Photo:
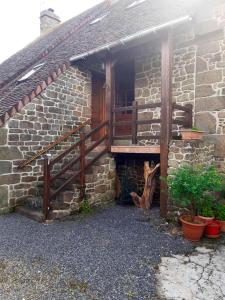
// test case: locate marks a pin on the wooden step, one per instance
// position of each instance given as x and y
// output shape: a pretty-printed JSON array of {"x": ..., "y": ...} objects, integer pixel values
[
  {"x": 34, "y": 214},
  {"x": 136, "y": 149}
]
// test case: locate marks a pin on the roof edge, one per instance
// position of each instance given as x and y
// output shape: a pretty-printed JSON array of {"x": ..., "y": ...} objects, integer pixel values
[
  {"x": 33, "y": 94},
  {"x": 129, "y": 38}
]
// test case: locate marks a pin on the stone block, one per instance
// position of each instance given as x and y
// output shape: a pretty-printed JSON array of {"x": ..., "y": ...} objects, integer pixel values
[
  {"x": 3, "y": 136},
  {"x": 4, "y": 194},
  {"x": 204, "y": 91},
  {"x": 201, "y": 65},
  {"x": 10, "y": 153},
  {"x": 190, "y": 68},
  {"x": 9, "y": 179},
  {"x": 208, "y": 77},
  {"x": 212, "y": 47},
  {"x": 100, "y": 189},
  {"x": 206, "y": 122},
  {"x": 210, "y": 103},
  {"x": 5, "y": 167},
  {"x": 219, "y": 141}
]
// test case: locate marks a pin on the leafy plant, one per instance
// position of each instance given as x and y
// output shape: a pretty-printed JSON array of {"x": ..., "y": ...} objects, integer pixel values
[
  {"x": 206, "y": 207},
  {"x": 220, "y": 212},
  {"x": 85, "y": 207},
  {"x": 189, "y": 184},
  {"x": 194, "y": 128}
]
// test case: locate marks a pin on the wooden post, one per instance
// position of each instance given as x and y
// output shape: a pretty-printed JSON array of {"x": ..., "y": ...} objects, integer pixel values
[
  {"x": 82, "y": 166},
  {"x": 46, "y": 188},
  {"x": 166, "y": 117},
  {"x": 189, "y": 117},
  {"x": 110, "y": 92},
  {"x": 134, "y": 122}
]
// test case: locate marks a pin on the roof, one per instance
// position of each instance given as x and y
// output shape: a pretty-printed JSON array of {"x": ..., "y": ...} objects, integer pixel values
[{"x": 75, "y": 37}]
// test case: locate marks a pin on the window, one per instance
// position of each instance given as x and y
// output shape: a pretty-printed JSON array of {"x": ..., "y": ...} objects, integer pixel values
[
  {"x": 98, "y": 19},
  {"x": 30, "y": 73},
  {"x": 135, "y": 3}
]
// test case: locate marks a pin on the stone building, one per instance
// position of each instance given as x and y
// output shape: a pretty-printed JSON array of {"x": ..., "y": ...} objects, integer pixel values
[{"x": 135, "y": 64}]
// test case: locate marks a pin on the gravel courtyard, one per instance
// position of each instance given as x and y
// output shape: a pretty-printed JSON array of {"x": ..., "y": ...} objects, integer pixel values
[{"x": 112, "y": 254}]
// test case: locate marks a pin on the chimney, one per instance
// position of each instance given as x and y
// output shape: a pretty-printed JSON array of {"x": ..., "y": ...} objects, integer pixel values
[{"x": 48, "y": 20}]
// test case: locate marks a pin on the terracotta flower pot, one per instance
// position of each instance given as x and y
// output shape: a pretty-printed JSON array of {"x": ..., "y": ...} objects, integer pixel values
[
  {"x": 191, "y": 135},
  {"x": 207, "y": 220},
  {"x": 222, "y": 224},
  {"x": 212, "y": 230},
  {"x": 192, "y": 231}
]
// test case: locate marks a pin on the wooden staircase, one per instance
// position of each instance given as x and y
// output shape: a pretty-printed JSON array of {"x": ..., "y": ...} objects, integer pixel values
[{"x": 66, "y": 174}]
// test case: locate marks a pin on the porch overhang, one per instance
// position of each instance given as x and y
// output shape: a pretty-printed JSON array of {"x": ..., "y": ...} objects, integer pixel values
[{"x": 133, "y": 37}]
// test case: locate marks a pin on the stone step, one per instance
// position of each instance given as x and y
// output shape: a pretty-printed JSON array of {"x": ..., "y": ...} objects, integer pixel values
[{"x": 34, "y": 214}]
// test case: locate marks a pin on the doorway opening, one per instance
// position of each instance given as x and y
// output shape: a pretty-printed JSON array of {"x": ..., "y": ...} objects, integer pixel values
[
  {"x": 98, "y": 105},
  {"x": 124, "y": 94},
  {"x": 130, "y": 177}
]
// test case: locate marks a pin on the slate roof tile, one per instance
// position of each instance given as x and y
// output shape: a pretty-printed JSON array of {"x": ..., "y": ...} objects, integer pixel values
[{"x": 77, "y": 36}]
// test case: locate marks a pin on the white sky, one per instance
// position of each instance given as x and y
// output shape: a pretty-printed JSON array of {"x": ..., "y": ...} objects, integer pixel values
[{"x": 19, "y": 20}]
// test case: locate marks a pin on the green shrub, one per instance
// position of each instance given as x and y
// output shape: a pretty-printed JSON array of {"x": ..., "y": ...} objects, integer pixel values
[
  {"x": 189, "y": 185},
  {"x": 220, "y": 212}
]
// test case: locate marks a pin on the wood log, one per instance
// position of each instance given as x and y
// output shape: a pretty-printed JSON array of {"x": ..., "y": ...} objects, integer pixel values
[{"x": 145, "y": 200}]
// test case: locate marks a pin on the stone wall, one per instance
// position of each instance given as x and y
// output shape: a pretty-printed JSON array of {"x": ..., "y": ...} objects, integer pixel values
[
  {"x": 188, "y": 153},
  {"x": 148, "y": 90},
  {"x": 198, "y": 76},
  {"x": 66, "y": 103}
]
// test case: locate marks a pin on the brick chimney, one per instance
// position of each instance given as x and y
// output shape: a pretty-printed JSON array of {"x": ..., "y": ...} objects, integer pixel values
[{"x": 48, "y": 20}]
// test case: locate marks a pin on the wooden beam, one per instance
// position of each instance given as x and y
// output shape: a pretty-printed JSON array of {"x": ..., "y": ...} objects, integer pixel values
[
  {"x": 136, "y": 149},
  {"x": 166, "y": 116},
  {"x": 110, "y": 94}
]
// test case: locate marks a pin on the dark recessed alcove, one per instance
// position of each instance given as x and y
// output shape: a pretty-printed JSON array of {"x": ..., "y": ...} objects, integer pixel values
[{"x": 130, "y": 176}]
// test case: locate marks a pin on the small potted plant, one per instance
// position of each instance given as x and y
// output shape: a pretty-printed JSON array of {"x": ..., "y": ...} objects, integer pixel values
[
  {"x": 192, "y": 134},
  {"x": 206, "y": 209},
  {"x": 186, "y": 191},
  {"x": 220, "y": 215},
  {"x": 187, "y": 186}
]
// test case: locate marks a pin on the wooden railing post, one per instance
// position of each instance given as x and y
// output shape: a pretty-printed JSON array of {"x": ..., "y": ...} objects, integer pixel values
[
  {"x": 166, "y": 117},
  {"x": 189, "y": 116},
  {"x": 110, "y": 93},
  {"x": 82, "y": 166},
  {"x": 46, "y": 187},
  {"x": 134, "y": 122}
]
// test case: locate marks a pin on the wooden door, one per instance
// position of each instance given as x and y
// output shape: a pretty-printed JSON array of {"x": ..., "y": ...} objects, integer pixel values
[{"x": 98, "y": 104}]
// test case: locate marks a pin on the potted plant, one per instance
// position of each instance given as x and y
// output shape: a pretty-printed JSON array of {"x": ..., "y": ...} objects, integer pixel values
[
  {"x": 192, "y": 134},
  {"x": 220, "y": 215},
  {"x": 206, "y": 209},
  {"x": 212, "y": 230},
  {"x": 187, "y": 186}
]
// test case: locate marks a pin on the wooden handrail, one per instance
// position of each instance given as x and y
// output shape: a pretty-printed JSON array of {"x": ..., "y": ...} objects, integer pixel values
[
  {"x": 53, "y": 144},
  {"x": 182, "y": 107},
  {"x": 80, "y": 174},
  {"x": 96, "y": 129},
  {"x": 140, "y": 106}
]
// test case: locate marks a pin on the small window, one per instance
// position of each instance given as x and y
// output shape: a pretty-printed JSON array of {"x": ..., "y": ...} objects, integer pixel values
[
  {"x": 98, "y": 19},
  {"x": 31, "y": 72},
  {"x": 135, "y": 3}
]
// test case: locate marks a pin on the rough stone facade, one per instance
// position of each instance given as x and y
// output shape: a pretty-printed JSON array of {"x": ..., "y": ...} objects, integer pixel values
[
  {"x": 64, "y": 104},
  {"x": 198, "y": 77},
  {"x": 188, "y": 153}
]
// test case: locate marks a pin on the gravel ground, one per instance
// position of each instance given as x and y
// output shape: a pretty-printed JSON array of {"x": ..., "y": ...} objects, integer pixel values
[{"x": 112, "y": 254}]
